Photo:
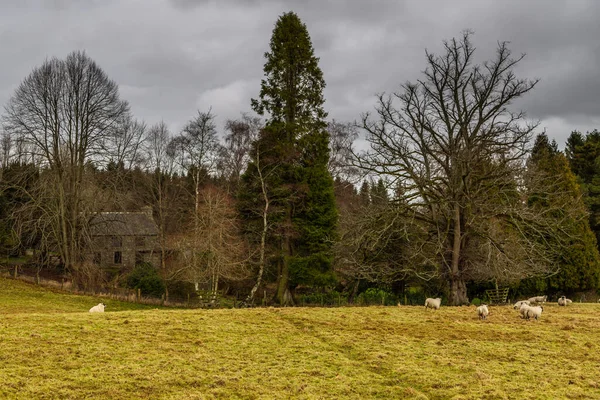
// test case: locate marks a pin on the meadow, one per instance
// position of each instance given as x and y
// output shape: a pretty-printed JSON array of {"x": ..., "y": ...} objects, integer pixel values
[{"x": 52, "y": 348}]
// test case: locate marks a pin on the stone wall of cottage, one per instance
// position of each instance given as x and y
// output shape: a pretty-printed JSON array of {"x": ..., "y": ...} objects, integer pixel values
[{"x": 124, "y": 251}]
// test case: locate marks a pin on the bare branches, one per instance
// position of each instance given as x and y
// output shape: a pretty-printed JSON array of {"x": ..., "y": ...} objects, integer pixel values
[
  {"x": 61, "y": 114},
  {"x": 197, "y": 144},
  {"x": 234, "y": 156},
  {"x": 457, "y": 150},
  {"x": 341, "y": 139}
]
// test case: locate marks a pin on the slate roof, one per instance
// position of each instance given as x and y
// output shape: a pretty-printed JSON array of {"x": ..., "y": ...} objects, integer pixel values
[{"x": 123, "y": 224}]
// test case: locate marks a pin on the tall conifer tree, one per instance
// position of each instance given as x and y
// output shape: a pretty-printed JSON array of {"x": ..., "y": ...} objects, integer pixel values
[{"x": 294, "y": 148}]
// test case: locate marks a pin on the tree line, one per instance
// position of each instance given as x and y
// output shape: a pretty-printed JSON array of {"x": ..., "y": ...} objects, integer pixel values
[{"x": 453, "y": 192}]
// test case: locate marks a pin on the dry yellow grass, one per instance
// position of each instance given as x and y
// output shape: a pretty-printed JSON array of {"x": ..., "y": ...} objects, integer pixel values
[{"x": 306, "y": 353}]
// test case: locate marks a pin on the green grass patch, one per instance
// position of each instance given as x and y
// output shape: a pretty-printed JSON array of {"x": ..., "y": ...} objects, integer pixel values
[
  {"x": 18, "y": 297},
  {"x": 305, "y": 353}
]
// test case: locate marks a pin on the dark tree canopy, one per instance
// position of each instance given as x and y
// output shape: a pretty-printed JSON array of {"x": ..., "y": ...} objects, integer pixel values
[{"x": 578, "y": 261}]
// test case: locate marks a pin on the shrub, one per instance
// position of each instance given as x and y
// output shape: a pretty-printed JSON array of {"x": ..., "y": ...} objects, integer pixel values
[
  {"x": 329, "y": 298},
  {"x": 145, "y": 277},
  {"x": 376, "y": 296}
]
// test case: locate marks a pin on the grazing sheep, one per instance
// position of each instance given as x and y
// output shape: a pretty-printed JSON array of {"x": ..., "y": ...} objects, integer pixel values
[
  {"x": 433, "y": 303},
  {"x": 519, "y": 303},
  {"x": 538, "y": 299},
  {"x": 98, "y": 308},
  {"x": 482, "y": 311},
  {"x": 523, "y": 310},
  {"x": 569, "y": 301},
  {"x": 534, "y": 312}
]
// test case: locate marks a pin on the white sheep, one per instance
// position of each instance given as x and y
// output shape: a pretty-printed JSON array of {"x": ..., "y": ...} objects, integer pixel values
[
  {"x": 534, "y": 312},
  {"x": 482, "y": 311},
  {"x": 98, "y": 308},
  {"x": 523, "y": 310},
  {"x": 562, "y": 301},
  {"x": 538, "y": 299},
  {"x": 433, "y": 303},
  {"x": 519, "y": 303}
]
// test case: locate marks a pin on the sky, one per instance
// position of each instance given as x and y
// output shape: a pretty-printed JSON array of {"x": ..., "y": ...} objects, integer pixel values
[{"x": 172, "y": 58}]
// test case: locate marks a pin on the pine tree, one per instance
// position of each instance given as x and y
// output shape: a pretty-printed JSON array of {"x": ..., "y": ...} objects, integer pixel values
[
  {"x": 295, "y": 152},
  {"x": 579, "y": 262}
]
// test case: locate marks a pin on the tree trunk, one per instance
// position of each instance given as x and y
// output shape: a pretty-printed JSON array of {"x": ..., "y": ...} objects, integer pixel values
[
  {"x": 458, "y": 287},
  {"x": 282, "y": 284},
  {"x": 354, "y": 291},
  {"x": 263, "y": 235},
  {"x": 458, "y": 292},
  {"x": 283, "y": 293},
  {"x": 288, "y": 300}
]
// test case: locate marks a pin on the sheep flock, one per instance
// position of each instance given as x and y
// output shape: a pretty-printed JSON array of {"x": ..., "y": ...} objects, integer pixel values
[{"x": 530, "y": 309}]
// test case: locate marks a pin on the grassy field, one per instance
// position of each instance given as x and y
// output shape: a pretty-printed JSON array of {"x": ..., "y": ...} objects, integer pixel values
[{"x": 50, "y": 347}]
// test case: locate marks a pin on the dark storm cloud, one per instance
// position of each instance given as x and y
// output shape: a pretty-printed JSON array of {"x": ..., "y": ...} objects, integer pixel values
[{"x": 172, "y": 57}]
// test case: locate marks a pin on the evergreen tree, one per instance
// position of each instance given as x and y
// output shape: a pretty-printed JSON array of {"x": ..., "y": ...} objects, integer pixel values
[
  {"x": 364, "y": 194},
  {"x": 379, "y": 194},
  {"x": 294, "y": 154},
  {"x": 579, "y": 262},
  {"x": 583, "y": 153}
]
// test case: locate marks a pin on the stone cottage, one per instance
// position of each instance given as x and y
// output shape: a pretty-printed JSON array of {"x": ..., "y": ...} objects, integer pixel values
[{"x": 120, "y": 240}]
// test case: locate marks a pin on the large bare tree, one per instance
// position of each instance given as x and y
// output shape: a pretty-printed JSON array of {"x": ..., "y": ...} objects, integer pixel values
[
  {"x": 62, "y": 113},
  {"x": 195, "y": 151},
  {"x": 455, "y": 153}
]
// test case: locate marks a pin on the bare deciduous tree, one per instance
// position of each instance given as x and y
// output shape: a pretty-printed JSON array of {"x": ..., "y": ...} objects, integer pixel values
[
  {"x": 196, "y": 149},
  {"x": 234, "y": 156},
  {"x": 452, "y": 145},
  {"x": 341, "y": 139},
  {"x": 214, "y": 249},
  {"x": 62, "y": 112}
]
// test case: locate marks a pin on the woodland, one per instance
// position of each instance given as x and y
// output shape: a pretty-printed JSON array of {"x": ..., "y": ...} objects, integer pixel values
[{"x": 454, "y": 192}]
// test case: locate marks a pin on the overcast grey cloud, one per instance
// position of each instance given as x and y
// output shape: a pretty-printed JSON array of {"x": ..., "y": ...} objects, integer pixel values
[{"x": 171, "y": 58}]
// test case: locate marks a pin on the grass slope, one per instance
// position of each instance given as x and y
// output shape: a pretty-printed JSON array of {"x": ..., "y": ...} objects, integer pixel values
[
  {"x": 377, "y": 352},
  {"x": 18, "y": 297}
]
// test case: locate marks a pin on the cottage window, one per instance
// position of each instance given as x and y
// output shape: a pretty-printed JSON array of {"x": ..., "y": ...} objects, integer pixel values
[
  {"x": 116, "y": 241},
  {"x": 140, "y": 241},
  {"x": 118, "y": 259}
]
